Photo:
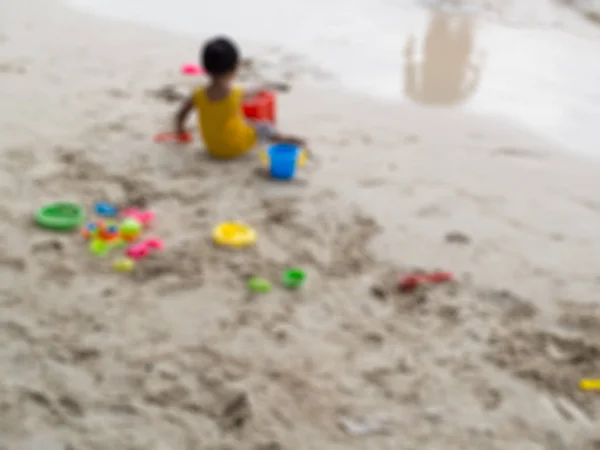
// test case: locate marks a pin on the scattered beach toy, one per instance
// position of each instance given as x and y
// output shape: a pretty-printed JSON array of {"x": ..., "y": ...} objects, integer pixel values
[
  {"x": 61, "y": 216},
  {"x": 89, "y": 231},
  {"x": 130, "y": 229},
  {"x": 192, "y": 69},
  {"x": 259, "y": 285},
  {"x": 261, "y": 108},
  {"x": 283, "y": 159},
  {"x": 234, "y": 234},
  {"x": 124, "y": 265},
  {"x": 293, "y": 278},
  {"x": 410, "y": 282},
  {"x": 118, "y": 242},
  {"x": 144, "y": 217},
  {"x": 129, "y": 237},
  {"x": 183, "y": 138},
  {"x": 131, "y": 225},
  {"x": 109, "y": 232},
  {"x": 137, "y": 251},
  {"x": 98, "y": 247},
  {"x": 105, "y": 209},
  {"x": 154, "y": 244}
]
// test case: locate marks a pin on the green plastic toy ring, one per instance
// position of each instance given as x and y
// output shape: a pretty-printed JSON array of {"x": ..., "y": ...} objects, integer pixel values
[{"x": 60, "y": 216}]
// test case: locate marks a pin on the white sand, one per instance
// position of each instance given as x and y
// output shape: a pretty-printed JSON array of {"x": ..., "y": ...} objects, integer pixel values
[{"x": 178, "y": 356}]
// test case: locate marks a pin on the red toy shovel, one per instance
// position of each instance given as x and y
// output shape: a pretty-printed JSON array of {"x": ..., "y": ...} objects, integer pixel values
[
  {"x": 410, "y": 282},
  {"x": 173, "y": 137}
]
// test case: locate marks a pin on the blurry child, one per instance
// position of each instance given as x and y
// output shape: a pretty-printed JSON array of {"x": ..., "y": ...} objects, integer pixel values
[{"x": 218, "y": 105}]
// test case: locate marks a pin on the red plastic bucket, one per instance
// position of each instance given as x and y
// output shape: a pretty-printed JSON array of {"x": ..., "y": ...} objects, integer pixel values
[{"x": 261, "y": 108}]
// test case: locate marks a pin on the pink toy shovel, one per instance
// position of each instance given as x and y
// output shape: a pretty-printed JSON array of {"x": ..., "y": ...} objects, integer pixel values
[{"x": 192, "y": 70}]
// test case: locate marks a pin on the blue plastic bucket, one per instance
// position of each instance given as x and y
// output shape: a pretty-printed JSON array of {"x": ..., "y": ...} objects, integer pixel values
[{"x": 283, "y": 160}]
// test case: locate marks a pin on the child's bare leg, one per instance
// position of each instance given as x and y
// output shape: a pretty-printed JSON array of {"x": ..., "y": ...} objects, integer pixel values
[{"x": 266, "y": 132}]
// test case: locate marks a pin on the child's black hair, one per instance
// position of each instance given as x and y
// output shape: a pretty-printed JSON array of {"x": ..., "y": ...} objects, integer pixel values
[{"x": 220, "y": 56}]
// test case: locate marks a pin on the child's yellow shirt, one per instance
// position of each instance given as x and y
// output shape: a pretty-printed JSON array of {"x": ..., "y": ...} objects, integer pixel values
[{"x": 224, "y": 129}]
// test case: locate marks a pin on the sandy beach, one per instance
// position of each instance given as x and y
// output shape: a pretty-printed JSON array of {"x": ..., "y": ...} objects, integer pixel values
[{"x": 178, "y": 354}]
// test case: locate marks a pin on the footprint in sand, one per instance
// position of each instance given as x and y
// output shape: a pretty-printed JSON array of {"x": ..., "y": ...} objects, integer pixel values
[
  {"x": 167, "y": 93},
  {"x": 39, "y": 398},
  {"x": 457, "y": 237},
  {"x": 19, "y": 159},
  {"x": 60, "y": 273},
  {"x": 14, "y": 263},
  {"x": 489, "y": 397},
  {"x": 47, "y": 246},
  {"x": 580, "y": 317},
  {"x": 511, "y": 306},
  {"x": 12, "y": 68},
  {"x": 236, "y": 412},
  {"x": 71, "y": 406},
  {"x": 371, "y": 182},
  {"x": 373, "y": 338},
  {"x": 430, "y": 211},
  {"x": 593, "y": 16}
]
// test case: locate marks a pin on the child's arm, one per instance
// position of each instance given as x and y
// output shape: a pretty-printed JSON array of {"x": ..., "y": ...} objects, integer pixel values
[
  {"x": 182, "y": 115},
  {"x": 253, "y": 91}
]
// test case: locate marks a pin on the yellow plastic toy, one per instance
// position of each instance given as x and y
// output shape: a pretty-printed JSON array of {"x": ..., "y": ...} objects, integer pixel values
[
  {"x": 124, "y": 265},
  {"x": 234, "y": 234}
]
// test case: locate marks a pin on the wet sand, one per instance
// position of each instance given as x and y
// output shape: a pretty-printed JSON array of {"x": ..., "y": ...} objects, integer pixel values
[{"x": 178, "y": 355}]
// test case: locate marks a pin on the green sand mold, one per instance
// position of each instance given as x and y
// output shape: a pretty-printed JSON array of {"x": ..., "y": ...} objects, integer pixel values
[
  {"x": 293, "y": 278},
  {"x": 60, "y": 216},
  {"x": 259, "y": 285}
]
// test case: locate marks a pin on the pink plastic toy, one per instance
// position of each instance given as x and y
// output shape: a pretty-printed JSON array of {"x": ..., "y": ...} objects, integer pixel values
[
  {"x": 192, "y": 70},
  {"x": 154, "y": 243},
  {"x": 144, "y": 217},
  {"x": 130, "y": 212},
  {"x": 137, "y": 251}
]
